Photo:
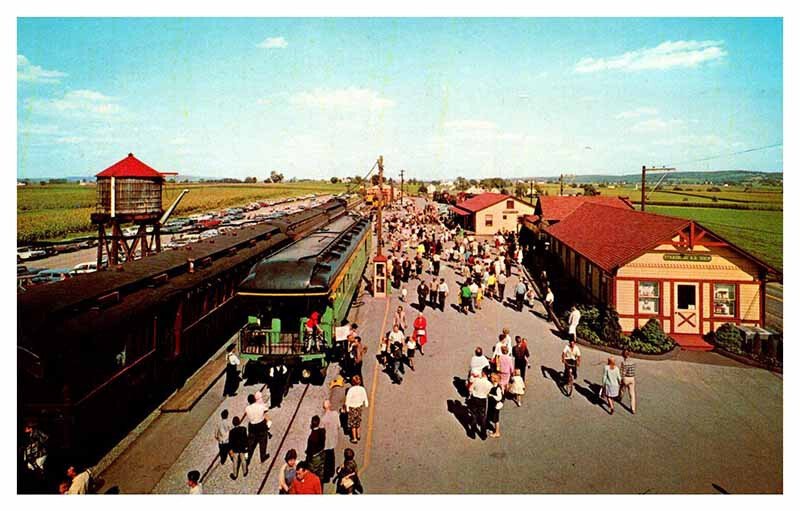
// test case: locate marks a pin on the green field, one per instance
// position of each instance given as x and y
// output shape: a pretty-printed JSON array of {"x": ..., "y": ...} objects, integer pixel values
[
  {"x": 770, "y": 197},
  {"x": 63, "y": 210},
  {"x": 759, "y": 232}
]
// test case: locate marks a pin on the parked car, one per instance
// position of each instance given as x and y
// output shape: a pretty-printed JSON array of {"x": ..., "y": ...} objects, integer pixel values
[
  {"x": 173, "y": 226},
  {"x": 209, "y": 234},
  {"x": 26, "y": 253},
  {"x": 87, "y": 243},
  {"x": 210, "y": 223},
  {"x": 55, "y": 275},
  {"x": 23, "y": 270},
  {"x": 87, "y": 267}
]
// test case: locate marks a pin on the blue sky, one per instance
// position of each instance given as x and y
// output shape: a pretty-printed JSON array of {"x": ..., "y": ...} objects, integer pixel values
[{"x": 437, "y": 97}]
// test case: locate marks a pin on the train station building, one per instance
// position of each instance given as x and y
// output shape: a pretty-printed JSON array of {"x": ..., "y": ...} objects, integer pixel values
[
  {"x": 488, "y": 213},
  {"x": 653, "y": 266}
]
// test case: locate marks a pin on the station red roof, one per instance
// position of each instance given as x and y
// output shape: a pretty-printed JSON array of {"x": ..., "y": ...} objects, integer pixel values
[
  {"x": 458, "y": 211},
  {"x": 557, "y": 208},
  {"x": 610, "y": 236},
  {"x": 482, "y": 201},
  {"x": 130, "y": 167}
]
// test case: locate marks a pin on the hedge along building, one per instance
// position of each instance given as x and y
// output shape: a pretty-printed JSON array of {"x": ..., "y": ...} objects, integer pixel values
[
  {"x": 652, "y": 266},
  {"x": 488, "y": 213}
]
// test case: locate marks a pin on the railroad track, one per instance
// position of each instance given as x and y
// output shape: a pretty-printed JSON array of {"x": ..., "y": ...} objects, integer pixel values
[{"x": 215, "y": 460}]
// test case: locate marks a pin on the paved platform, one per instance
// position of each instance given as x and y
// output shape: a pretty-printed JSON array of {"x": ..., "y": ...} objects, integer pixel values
[
  {"x": 701, "y": 424},
  {"x": 186, "y": 397},
  {"x": 704, "y": 423}
]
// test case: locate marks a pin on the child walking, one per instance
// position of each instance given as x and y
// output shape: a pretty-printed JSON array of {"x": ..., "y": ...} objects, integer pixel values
[{"x": 517, "y": 387}]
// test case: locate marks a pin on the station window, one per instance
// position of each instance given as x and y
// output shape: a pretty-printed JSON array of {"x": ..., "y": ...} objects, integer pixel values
[
  {"x": 648, "y": 297},
  {"x": 489, "y": 220},
  {"x": 510, "y": 204},
  {"x": 724, "y": 299},
  {"x": 588, "y": 274}
]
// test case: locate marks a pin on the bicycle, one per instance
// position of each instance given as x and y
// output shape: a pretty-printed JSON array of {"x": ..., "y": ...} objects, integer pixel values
[{"x": 570, "y": 365}]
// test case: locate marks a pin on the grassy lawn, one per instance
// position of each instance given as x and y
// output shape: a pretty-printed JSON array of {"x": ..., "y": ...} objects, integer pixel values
[
  {"x": 760, "y": 232},
  {"x": 57, "y": 211}
]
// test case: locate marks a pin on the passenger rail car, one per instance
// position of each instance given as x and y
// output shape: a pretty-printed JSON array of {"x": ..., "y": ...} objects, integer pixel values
[
  {"x": 97, "y": 353},
  {"x": 319, "y": 273}
]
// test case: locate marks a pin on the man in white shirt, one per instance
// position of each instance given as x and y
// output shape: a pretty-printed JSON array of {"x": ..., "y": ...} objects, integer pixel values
[
  {"x": 477, "y": 364},
  {"x": 571, "y": 358},
  {"x": 257, "y": 428},
  {"x": 501, "y": 286},
  {"x": 80, "y": 482},
  {"x": 574, "y": 319},
  {"x": 474, "y": 290},
  {"x": 479, "y": 393},
  {"x": 329, "y": 422},
  {"x": 193, "y": 482},
  {"x": 224, "y": 427},
  {"x": 442, "y": 291},
  {"x": 396, "y": 335}
]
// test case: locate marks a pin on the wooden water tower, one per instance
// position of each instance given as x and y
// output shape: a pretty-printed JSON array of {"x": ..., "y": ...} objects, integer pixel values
[{"x": 128, "y": 192}]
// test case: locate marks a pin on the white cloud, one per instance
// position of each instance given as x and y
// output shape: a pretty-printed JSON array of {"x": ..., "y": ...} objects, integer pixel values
[
  {"x": 473, "y": 131},
  {"x": 666, "y": 55},
  {"x": 693, "y": 141},
  {"x": 77, "y": 103},
  {"x": 350, "y": 98},
  {"x": 70, "y": 140},
  {"x": 657, "y": 124},
  {"x": 27, "y": 72},
  {"x": 638, "y": 112},
  {"x": 263, "y": 101},
  {"x": 273, "y": 43},
  {"x": 39, "y": 129},
  {"x": 470, "y": 124}
]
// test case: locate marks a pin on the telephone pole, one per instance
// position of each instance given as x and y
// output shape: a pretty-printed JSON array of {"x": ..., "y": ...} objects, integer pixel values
[
  {"x": 401, "y": 186},
  {"x": 645, "y": 170},
  {"x": 561, "y": 180},
  {"x": 380, "y": 205}
]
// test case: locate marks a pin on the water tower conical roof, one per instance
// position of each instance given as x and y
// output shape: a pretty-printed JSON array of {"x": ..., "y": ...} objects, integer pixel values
[{"x": 130, "y": 167}]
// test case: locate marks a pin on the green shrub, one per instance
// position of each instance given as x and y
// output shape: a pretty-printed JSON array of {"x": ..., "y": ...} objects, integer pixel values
[
  {"x": 590, "y": 317},
  {"x": 729, "y": 338},
  {"x": 650, "y": 339},
  {"x": 610, "y": 329},
  {"x": 598, "y": 326},
  {"x": 585, "y": 333}
]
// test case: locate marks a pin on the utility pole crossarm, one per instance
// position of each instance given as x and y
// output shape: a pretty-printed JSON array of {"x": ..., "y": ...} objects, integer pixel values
[{"x": 645, "y": 170}]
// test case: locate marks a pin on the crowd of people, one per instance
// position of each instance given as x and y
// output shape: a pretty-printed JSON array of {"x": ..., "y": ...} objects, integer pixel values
[
  {"x": 418, "y": 245},
  {"x": 491, "y": 380},
  {"x": 237, "y": 444}
]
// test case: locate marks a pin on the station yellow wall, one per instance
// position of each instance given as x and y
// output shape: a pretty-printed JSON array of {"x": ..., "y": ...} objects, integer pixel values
[
  {"x": 749, "y": 302},
  {"x": 626, "y": 297},
  {"x": 725, "y": 264},
  {"x": 498, "y": 223}
]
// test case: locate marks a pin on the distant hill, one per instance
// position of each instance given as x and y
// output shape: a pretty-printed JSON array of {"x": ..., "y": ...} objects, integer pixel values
[{"x": 688, "y": 177}]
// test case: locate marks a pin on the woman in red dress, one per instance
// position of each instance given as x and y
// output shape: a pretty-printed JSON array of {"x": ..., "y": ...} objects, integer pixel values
[{"x": 420, "y": 334}]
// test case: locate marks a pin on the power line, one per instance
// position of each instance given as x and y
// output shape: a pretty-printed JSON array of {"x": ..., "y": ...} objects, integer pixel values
[
  {"x": 730, "y": 154},
  {"x": 365, "y": 177}
]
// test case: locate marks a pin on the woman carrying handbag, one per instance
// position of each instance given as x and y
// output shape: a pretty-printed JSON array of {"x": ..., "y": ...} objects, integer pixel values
[{"x": 347, "y": 481}]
